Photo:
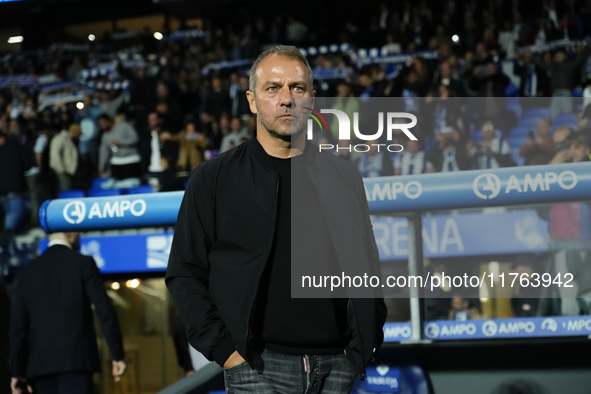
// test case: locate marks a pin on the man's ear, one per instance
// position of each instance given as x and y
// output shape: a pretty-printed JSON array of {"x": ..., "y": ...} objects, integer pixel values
[{"x": 250, "y": 97}]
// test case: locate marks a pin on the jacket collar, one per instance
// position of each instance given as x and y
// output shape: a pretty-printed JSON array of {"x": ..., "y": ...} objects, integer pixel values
[{"x": 264, "y": 159}]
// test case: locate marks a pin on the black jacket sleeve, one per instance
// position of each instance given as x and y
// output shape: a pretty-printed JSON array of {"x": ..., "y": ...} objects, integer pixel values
[
  {"x": 181, "y": 345},
  {"x": 374, "y": 259},
  {"x": 93, "y": 287},
  {"x": 187, "y": 275},
  {"x": 19, "y": 333}
]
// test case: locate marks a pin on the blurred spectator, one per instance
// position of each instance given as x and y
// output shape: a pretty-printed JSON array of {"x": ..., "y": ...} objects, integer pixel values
[
  {"x": 4, "y": 330},
  {"x": 344, "y": 102},
  {"x": 412, "y": 160},
  {"x": 539, "y": 149},
  {"x": 488, "y": 81},
  {"x": 295, "y": 31},
  {"x": 441, "y": 111},
  {"x": 192, "y": 145},
  {"x": 446, "y": 78},
  {"x": 492, "y": 151},
  {"x": 577, "y": 150},
  {"x": 375, "y": 162},
  {"x": 449, "y": 153},
  {"x": 63, "y": 156},
  {"x": 119, "y": 148},
  {"x": 110, "y": 105},
  {"x": 173, "y": 111},
  {"x": 218, "y": 99},
  {"x": 562, "y": 79},
  {"x": 461, "y": 310},
  {"x": 167, "y": 179},
  {"x": 150, "y": 145},
  {"x": 74, "y": 69},
  {"x": 561, "y": 144},
  {"x": 237, "y": 132},
  {"x": 534, "y": 81},
  {"x": 240, "y": 105},
  {"x": 14, "y": 161}
]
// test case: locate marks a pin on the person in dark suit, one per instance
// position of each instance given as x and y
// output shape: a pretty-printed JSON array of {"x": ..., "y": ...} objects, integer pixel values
[
  {"x": 53, "y": 345},
  {"x": 4, "y": 319}
]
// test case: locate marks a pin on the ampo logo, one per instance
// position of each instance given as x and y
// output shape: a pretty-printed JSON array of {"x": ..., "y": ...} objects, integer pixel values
[
  {"x": 549, "y": 324},
  {"x": 74, "y": 212},
  {"x": 492, "y": 186},
  {"x": 432, "y": 330},
  {"x": 488, "y": 185},
  {"x": 489, "y": 328}
]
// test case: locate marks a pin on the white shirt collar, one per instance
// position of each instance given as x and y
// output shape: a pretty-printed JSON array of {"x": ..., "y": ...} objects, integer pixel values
[{"x": 59, "y": 242}]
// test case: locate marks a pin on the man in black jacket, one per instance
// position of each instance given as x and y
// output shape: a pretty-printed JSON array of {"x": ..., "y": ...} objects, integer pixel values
[
  {"x": 53, "y": 345},
  {"x": 230, "y": 267}
]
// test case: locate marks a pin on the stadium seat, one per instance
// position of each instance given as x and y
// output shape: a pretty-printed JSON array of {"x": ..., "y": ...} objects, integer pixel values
[
  {"x": 103, "y": 192},
  {"x": 98, "y": 183},
  {"x": 567, "y": 119},
  {"x": 141, "y": 189},
  {"x": 72, "y": 194},
  {"x": 538, "y": 113},
  {"x": 529, "y": 122},
  {"x": 514, "y": 105},
  {"x": 520, "y": 131},
  {"x": 413, "y": 378}
]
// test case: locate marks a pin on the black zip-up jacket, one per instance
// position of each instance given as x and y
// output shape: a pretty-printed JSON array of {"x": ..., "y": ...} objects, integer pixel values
[{"x": 223, "y": 239}]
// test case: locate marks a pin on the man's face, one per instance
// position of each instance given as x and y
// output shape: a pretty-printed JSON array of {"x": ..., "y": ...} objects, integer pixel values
[
  {"x": 153, "y": 120},
  {"x": 543, "y": 128},
  {"x": 412, "y": 146},
  {"x": 104, "y": 124},
  {"x": 577, "y": 152},
  {"x": 488, "y": 131},
  {"x": 279, "y": 79},
  {"x": 235, "y": 125},
  {"x": 342, "y": 90}
]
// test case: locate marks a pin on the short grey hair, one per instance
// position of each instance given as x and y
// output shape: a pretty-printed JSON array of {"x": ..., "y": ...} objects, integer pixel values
[{"x": 288, "y": 51}]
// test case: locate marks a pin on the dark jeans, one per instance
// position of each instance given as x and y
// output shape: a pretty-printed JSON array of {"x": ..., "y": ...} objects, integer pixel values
[
  {"x": 64, "y": 383},
  {"x": 282, "y": 373}
]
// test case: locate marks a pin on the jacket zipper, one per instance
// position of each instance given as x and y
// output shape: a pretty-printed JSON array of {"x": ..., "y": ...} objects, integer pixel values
[{"x": 259, "y": 280}]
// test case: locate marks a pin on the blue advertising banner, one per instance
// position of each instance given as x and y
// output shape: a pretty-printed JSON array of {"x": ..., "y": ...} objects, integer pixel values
[
  {"x": 463, "y": 189},
  {"x": 396, "y": 332},
  {"x": 479, "y": 188},
  {"x": 131, "y": 210},
  {"x": 508, "y": 328},
  {"x": 515, "y": 231},
  {"x": 126, "y": 253}
]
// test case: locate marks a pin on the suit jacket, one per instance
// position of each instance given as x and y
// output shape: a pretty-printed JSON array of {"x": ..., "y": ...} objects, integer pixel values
[{"x": 51, "y": 328}]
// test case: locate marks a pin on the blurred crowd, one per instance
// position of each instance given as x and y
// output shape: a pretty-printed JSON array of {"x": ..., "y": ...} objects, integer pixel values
[{"x": 171, "y": 102}]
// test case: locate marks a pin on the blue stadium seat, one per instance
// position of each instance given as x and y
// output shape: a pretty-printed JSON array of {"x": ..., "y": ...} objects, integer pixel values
[
  {"x": 98, "y": 182},
  {"x": 514, "y": 105},
  {"x": 141, "y": 189},
  {"x": 542, "y": 112},
  {"x": 72, "y": 194},
  {"x": 412, "y": 377},
  {"x": 103, "y": 192},
  {"x": 520, "y": 131},
  {"x": 528, "y": 122},
  {"x": 567, "y": 119}
]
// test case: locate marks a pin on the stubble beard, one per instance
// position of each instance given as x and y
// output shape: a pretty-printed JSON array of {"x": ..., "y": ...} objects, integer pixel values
[{"x": 288, "y": 136}]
